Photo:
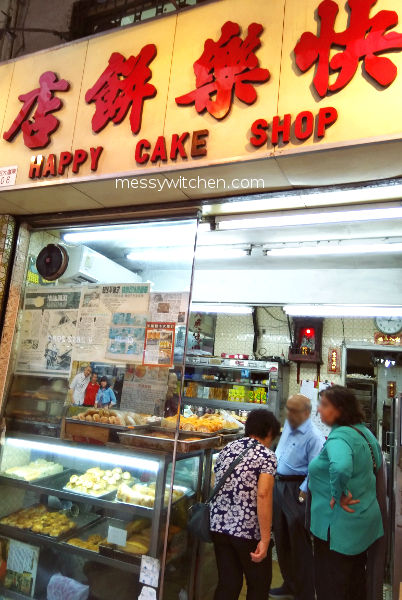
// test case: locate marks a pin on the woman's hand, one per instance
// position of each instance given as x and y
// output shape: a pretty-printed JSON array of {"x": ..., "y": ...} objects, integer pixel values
[
  {"x": 345, "y": 502},
  {"x": 260, "y": 552}
]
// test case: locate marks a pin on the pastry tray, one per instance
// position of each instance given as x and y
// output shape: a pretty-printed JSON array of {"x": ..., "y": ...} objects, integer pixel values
[
  {"x": 184, "y": 444},
  {"x": 81, "y": 520},
  {"x": 187, "y": 493},
  {"x": 100, "y": 527},
  {"x": 106, "y": 549},
  {"x": 105, "y": 496},
  {"x": 103, "y": 425},
  {"x": 41, "y": 479},
  {"x": 201, "y": 434}
]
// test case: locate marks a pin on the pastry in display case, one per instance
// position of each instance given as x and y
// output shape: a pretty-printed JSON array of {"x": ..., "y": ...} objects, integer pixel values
[
  {"x": 39, "y": 519},
  {"x": 91, "y": 492},
  {"x": 98, "y": 482},
  {"x": 38, "y": 469}
]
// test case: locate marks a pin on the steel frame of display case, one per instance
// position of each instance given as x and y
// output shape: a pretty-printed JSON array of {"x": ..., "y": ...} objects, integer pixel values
[{"x": 44, "y": 488}]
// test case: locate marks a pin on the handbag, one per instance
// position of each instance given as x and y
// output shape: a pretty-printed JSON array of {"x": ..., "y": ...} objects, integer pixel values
[
  {"x": 199, "y": 524},
  {"x": 370, "y": 447}
]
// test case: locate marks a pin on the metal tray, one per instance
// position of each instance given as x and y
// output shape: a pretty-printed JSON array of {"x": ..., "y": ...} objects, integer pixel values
[
  {"x": 201, "y": 434},
  {"x": 184, "y": 445},
  {"x": 187, "y": 493},
  {"x": 41, "y": 479},
  {"x": 81, "y": 520},
  {"x": 105, "y": 496},
  {"x": 91, "y": 423}
]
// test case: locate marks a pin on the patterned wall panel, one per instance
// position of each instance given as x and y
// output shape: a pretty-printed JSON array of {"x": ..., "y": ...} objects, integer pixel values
[
  {"x": 7, "y": 232},
  {"x": 12, "y": 308}
]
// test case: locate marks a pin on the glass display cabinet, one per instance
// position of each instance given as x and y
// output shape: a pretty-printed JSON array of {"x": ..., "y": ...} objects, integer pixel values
[{"x": 105, "y": 506}]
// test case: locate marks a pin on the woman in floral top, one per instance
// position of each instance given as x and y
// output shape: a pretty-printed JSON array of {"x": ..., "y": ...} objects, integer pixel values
[{"x": 241, "y": 512}]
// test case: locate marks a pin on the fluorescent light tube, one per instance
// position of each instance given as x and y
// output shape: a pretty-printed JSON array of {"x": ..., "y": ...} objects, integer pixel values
[
  {"x": 173, "y": 254},
  {"x": 96, "y": 456},
  {"x": 309, "y": 218},
  {"x": 332, "y": 310},
  {"x": 229, "y": 309},
  {"x": 216, "y": 252},
  {"x": 145, "y": 235},
  {"x": 336, "y": 250}
]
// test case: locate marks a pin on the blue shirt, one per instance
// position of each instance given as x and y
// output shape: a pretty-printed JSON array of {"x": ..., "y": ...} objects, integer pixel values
[
  {"x": 297, "y": 448},
  {"x": 105, "y": 396}
]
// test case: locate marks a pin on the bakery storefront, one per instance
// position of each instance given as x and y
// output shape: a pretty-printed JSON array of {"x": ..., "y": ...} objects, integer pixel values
[{"x": 200, "y": 215}]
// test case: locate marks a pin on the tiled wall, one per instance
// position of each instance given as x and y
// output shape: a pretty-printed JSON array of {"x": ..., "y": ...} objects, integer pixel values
[{"x": 234, "y": 334}]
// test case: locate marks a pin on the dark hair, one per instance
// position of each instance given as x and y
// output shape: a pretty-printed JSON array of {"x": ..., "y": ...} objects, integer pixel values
[
  {"x": 104, "y": 378},
  {"x": 262, "y": 422},
  {"x": 346, "y": 402}
]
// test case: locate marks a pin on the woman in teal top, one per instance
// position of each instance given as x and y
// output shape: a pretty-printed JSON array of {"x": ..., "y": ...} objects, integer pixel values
[{"x": 341, "y": 476}]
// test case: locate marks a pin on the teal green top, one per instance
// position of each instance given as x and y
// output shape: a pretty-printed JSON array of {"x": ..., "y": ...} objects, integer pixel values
[{"x": 345, "y": 464}]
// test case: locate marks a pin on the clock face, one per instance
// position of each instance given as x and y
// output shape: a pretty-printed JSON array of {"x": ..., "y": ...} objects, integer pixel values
[{"x": 389, "y": 325}]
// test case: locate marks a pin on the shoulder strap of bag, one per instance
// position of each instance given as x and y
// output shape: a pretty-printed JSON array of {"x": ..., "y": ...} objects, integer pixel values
[
  {"x": 229, "y": 471},
  {"x": 369, "y": 445}
]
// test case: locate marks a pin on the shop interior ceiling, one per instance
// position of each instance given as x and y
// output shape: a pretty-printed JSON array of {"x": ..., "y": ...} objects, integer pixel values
[{"x": 215, "y": 248}]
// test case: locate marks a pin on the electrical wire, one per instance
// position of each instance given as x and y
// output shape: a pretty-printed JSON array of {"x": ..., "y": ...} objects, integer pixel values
[{"x": 273, "y": 316}]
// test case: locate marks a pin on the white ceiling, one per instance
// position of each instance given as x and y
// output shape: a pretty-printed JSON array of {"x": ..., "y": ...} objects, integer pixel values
[{"x": 362, "y": 232}]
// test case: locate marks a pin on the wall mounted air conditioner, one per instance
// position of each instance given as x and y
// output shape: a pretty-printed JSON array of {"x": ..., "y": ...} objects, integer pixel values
[{"x": 86, "y": 265}]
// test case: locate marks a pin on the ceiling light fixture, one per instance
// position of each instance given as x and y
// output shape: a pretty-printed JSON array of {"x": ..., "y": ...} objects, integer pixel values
[
  {"x": 219, "y": 252},
  {"x": 341, "y": 310},
  {"x": 335, "y": 250},
  {"x": 229, "y": 309},
  {"x": 308, "y": 218},
  {"x": 144, "y": 235}
]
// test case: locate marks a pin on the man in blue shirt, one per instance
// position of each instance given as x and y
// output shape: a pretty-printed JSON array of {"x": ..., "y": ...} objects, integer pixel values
[{"x": 300, "y": 442}]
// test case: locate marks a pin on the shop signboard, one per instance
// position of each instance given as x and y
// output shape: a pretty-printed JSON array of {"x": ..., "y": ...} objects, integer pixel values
[{"x": 226, "y": 81}]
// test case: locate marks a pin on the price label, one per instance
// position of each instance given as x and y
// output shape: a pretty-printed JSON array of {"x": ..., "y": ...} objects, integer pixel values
[
  {"x": 149, "y": 574},
  {"x": 117, "y": 536}
]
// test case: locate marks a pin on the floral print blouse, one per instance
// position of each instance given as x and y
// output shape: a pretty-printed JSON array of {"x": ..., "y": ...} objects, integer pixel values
[{"x": 234, "y": 508}]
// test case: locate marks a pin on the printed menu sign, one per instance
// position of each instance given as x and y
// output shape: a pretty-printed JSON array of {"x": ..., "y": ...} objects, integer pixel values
[
  {"x": 21, "y": 566},
  {"x": 145, "y": 389},
  {"x": 159, "y": 344}
]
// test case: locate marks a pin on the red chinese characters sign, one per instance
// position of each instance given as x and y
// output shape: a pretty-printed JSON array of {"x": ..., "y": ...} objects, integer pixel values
[
  {"x": 37, "y": 130},
  {"x": 382, "y": 339},
  {"x": 364, "y": 39},
  {"x": 226, "y": 67},
  {"x": 123, "y": 84}
]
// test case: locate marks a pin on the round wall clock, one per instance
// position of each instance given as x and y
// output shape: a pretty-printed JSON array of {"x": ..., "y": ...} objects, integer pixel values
[{"x": 389, "y": 325}]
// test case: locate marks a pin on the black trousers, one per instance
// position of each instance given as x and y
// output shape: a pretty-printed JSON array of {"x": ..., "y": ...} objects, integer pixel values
[
  {"x": 292, "y": 540},
  {"x": 338, "y": 576},
  {"x": 234, "y": 562}
]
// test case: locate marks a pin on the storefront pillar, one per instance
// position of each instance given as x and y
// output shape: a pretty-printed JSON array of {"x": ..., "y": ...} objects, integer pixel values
[{"x": 10, "y": 295}]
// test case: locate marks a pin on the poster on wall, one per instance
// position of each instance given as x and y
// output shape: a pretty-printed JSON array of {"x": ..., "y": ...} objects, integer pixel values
[
  {"x": 159, "y": 344},
  {"x": 169, "y": 307},
  {"x": 112, "y": 322},
  {"x": 145, "y": 389},
  {"x": 311, "y": 389},
  {"x": 126, "y": 337},
  {"x": 88, "y": 323},
  {"x": 85, "y": 382},
  {"x": 48, "y": 331}
]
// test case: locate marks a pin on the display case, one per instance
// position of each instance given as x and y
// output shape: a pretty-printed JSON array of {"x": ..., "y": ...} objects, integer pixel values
[
  {"x": 93, "y": 506},
  {"x": 234, "y": 385},
  {"x": 36, "y": 404}
]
